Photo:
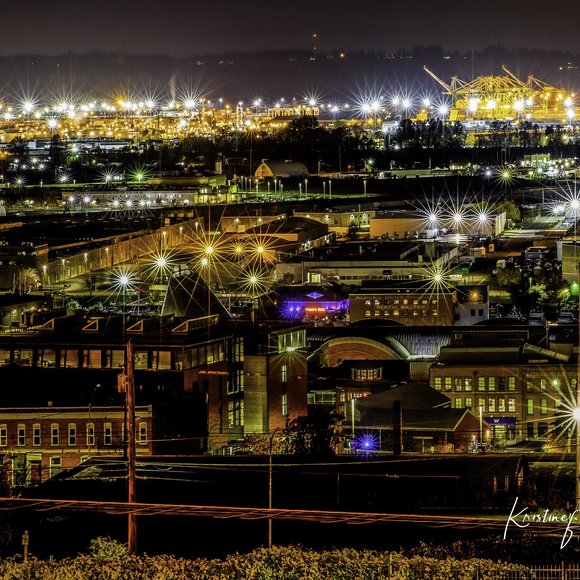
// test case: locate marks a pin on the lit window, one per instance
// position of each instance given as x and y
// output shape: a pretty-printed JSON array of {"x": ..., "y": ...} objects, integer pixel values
[
  {"x": 90, "y": 434},
  {"x": 142, "y": 434},
  {"x": 54, "y": 435},
  {"x": 108, "y": 434},
  {"x": 72, "y": 434},
  {"x": 21, "y": 435},
  {"x": 55, "y": 466},
  {"x": 36, "y": 435}
]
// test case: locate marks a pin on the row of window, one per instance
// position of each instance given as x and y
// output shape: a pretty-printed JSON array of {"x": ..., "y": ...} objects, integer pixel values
[
  {"x": 397, "y": 301},
  {"x": 289, "y": 341},
  {"x": 98, "y": 358},
  {"x": 491, "y": 405},
  {"x": 498, "y": 405},
  {"x": 491, "y": 384},
  {"x": 236, "y": 413},
  {"x": 404, "y": 312},
  {"x": 459, "y": 384},
  {"x": 35, "y": 438}
]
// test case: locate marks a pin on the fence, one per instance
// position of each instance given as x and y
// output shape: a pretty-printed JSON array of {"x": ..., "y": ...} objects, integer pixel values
[{"x": 560, "y": 571}]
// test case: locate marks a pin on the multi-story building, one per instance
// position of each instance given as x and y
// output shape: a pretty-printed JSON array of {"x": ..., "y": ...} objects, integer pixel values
[
  {"x": 417, "y": 303},
  {"x": 271, "y": 389},
  {"x": 410, "y": 303},
  {"x": 518, "y": 388},
  {"x": 43, "y": 441},
  {"x": 355, "y": 261}
]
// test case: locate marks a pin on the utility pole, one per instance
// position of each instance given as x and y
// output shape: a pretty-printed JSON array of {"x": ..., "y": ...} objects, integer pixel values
[
  {"x": 131, "y": 451},
  {"x": 270, "y": 478}
]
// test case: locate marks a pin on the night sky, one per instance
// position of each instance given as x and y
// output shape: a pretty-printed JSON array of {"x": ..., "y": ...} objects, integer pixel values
[{"x": 186, "y": 27}]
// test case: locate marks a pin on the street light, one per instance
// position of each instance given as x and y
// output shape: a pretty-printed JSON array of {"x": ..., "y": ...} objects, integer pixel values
[
  {"x": 576, "y": 416},
  {"x": 270, "y": 486}
]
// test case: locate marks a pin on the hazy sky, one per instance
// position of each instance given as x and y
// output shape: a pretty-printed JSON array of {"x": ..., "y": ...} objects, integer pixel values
[{"x": 185, "y": 27}]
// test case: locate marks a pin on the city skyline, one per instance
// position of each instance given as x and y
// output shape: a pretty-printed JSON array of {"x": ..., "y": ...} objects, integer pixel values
[{"x": 180, "y": 29}]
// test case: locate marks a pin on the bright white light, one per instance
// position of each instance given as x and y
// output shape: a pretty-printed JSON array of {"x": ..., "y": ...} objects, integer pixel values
[
  {"x": 575, "y": 204},
  {"x": 209, "y": 250},
  {"x": 568, "y": 102},
  {"x": 576, "y": 413},
  {"x": 426, "y": 103},
  {"x": 406, "y": 103},
  {"x": 189, "y": 104},
  {"x": 433, "y": 217},
  {"x": 483, "y": 217},
  {"x": 443, "y": 110},
  {"x": 457, "y": 217},
  {"x": 124, "y": 280},
  {"x": 161, "y": 262},
  {"x": 472, "y": 105},
  {"x": 437, "y": 277}
]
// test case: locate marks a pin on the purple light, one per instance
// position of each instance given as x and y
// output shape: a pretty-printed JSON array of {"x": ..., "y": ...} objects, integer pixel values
[{"x": 366, "y": 443}]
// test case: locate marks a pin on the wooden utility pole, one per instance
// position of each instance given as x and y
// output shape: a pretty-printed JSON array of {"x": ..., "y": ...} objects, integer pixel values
[{"x": 131, "y": 451}]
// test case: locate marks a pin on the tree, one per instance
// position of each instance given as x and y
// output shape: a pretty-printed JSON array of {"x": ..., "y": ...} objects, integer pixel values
[
  {"x": 26, "y": 281},
  {"x": 510, "y": 208},
  {"x": 312, "y": 435},
  {"x": 90, "y": 281},
  {"x": 353, "y": 230}
]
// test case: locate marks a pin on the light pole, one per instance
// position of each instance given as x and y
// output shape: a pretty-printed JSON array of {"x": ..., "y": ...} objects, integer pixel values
[
  {"x": 270, "y": 486},
  {"x": 576, "y": 415}
]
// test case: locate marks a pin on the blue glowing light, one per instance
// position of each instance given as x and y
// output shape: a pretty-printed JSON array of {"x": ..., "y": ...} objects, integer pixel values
[{"x": 366, "y": 443}]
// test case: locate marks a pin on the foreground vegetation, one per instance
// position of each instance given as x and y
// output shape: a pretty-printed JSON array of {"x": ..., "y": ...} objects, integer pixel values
[{"x": 109, "y": 560}]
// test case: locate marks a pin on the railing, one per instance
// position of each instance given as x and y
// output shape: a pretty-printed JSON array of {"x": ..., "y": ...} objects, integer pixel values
[{"x": 420, "y": 571}]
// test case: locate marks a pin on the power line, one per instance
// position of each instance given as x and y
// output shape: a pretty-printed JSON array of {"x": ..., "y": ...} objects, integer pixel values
[{"x": 254, "y": 513}]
